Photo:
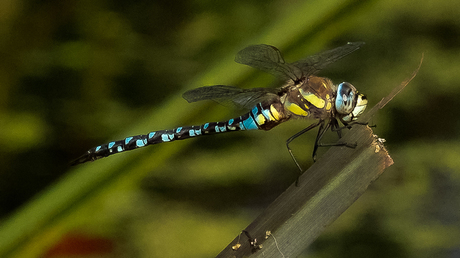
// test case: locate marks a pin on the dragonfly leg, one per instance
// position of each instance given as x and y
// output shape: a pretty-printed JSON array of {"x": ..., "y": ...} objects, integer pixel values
[
  {"x": 323, "y": 127},
  {"x": 336, "y": 128},
  {"x": 322, "y": 130},
  {"x": 297, "y": 135}
]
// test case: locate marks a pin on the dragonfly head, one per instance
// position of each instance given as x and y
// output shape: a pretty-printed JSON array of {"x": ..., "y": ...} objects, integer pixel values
[{"x": 349, "y": 103}]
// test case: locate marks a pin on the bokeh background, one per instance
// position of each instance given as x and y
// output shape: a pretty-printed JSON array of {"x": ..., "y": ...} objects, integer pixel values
[{"x": 76, "y": 74}]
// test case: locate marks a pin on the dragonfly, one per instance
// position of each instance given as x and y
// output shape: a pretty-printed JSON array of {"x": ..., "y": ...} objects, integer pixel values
[{"x": 303, "y": 95}]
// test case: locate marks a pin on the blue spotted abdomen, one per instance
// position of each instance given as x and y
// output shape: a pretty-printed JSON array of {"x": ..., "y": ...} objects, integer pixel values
[{"x": 260, "y": 117}]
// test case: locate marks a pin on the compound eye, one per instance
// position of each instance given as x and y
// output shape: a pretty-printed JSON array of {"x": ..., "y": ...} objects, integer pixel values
[
  {"x": 346, "y": 98},
  {"x": 361, "y": 105}
]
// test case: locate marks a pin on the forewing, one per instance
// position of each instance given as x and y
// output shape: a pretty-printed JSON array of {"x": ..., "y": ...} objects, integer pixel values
[
  {"x": 231, "y": 96},
  {"x": 313, "y": 64},
  {"x": 268, "y": 59}
]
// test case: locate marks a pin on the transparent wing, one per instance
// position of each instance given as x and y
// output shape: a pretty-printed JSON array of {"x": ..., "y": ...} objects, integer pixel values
[
  {"x": 313, "y": 64},
  {"x": 268, "y": 59},
  {"x": 231, "y": 96}
]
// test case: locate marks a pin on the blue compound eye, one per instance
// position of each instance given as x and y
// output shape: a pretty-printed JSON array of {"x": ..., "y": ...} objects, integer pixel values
[{"x": 346, "y": 98}]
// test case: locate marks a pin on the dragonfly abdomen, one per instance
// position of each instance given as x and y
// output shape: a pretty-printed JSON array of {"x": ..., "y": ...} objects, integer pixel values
[{"x": 257, "y": 118}]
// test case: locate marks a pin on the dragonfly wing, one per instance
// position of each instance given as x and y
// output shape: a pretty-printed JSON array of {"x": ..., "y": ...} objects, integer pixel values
[
  {"x": 231, "y": 96},
  {"x": 211, "y": 92},
  {"x": 268, "y": 59},
  {"x": 313, "y": 64}
]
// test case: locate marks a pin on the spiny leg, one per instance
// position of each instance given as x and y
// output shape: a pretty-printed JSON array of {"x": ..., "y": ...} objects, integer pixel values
[
  {"x": 322, "y": 130},
  {"x": 334, "y": 125},
  {"x": 320, "y": 122},
  {"x": 336, "y": 128}
]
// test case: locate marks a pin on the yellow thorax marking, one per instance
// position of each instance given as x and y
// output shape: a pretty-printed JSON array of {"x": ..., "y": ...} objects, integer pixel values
[
  {"x": 329, "y": 104},
  {"x": 294, "y": 108},
  {"x": 274, "y": 113},
  {"x": 313, "y": 99}
]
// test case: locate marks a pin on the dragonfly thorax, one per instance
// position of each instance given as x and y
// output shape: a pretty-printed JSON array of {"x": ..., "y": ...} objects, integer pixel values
[{"x": 312, "y": 98}]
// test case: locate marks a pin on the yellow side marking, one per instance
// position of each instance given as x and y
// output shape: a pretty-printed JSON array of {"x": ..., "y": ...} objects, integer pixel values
[
  {"x": 315, "y": 100},
  {"x": 329, "y": 105},
  {"x": 260, "y": 119},
  {"x": 274, "y": 112},
  {"x": 294, "y": 108}
]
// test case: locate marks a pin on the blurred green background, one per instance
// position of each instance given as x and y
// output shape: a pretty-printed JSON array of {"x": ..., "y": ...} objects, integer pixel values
[{"x": 76, "y": 74}]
